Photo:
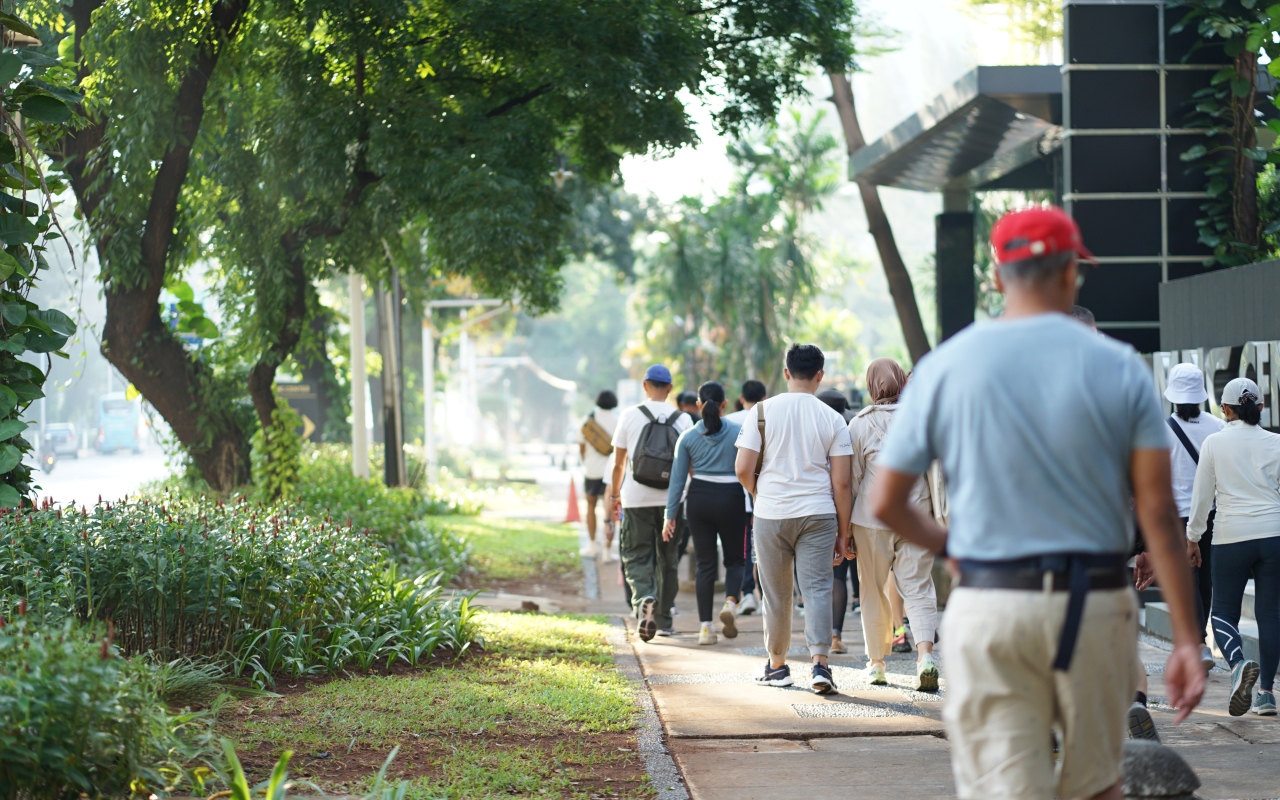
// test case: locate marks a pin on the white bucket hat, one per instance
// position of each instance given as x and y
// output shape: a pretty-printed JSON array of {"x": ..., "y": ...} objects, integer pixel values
[
  {"x": 1186, "y": 385},
  {"x": 1240, "y": 389}
]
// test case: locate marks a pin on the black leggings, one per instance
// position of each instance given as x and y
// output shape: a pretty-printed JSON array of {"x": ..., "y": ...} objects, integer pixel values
[
  {"x": 1233, "y": 565},
  {"x": 717, "y": 509},
  {"x": 844, "y": 574}
]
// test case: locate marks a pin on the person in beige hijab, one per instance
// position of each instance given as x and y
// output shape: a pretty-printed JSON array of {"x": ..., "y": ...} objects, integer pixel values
[{"x": 881, "y": 552}]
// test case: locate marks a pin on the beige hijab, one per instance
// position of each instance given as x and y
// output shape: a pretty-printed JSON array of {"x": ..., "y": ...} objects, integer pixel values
[{"x": 885, "y": 380}]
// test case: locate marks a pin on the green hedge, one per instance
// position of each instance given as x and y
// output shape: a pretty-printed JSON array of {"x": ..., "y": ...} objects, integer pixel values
[{"x": 269, "y": 591}]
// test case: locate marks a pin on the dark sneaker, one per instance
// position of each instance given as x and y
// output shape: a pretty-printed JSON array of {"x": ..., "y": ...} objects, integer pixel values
[
  {"x": 667, "y": 632},
  {"x": 1243, "y": 676},
  {"x": 900, "y": 643},
  {"x": 775, "y": 676},
  {"x": 1141, "y": 725},
  {"x": 823, "y": 683},
  {"x": 645, "y": 612}
]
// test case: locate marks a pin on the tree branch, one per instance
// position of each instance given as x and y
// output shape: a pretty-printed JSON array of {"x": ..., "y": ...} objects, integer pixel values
[{"x": 516, "y": 102}]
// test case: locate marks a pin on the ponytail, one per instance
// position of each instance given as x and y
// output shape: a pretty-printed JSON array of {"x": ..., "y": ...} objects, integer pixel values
[
  {"x": 1249, "y": 411},
  {"x": 1188, "y": 411},
  {"x": 712, "y": 395}
]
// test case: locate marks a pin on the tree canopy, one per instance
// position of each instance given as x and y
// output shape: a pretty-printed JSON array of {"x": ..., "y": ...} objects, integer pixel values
[{"x": 278, "y": 140}]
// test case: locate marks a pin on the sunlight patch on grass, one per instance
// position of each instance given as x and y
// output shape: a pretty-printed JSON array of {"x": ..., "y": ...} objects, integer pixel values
[{"x": 517, "y": 549}]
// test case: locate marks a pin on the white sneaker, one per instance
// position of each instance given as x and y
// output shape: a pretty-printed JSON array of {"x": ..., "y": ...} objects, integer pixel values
[
  {"x": 675, "y": 612},
  {"x": 730, "y": 625},
  {"x": 707, "y": 635},
  {"x": 873, "y": 675},
  {"x": 748, "y": 604},
  {"x": 1206, "y": 658},
  {"x": 926, "y": 674},
  {"x": 588, "y": 550}
]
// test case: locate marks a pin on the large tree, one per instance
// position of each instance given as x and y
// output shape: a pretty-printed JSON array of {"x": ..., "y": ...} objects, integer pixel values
[{"x": 286, "y": 138}]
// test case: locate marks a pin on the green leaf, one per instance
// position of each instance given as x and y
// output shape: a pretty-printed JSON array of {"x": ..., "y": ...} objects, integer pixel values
[
  {"x": 57, "y": 321},
  {"x": 8, "y": 264},
  {"x": 1240, "y": 87},
  {"x": 45, "y": 343},
  {"x": 65, "y": 95},
  {"x": 27, "y": 391},
  {"x": 17, "y": 229},
  {"x": 14, "y": 24},
  {"x": 15, "y": 313},
  {"x": 44, "y": 108},
  {"x": 204, "y": 328},
  {"x": 8, "y": 401},
  {"x": 183, "y": 291},
  {"x": 9, "y": 496},
  {"x": 15, "y": 204},
  {"x": 11, "y": 428},
  {"x": 1196, "y": 151},
  {"x": 16, "y": 344},
  {"x": 10, "y": 457},
  {"x": 1256, "y": 153},
  {"x": 10, "y": 66},
  {"x": 35, "y": 58}
]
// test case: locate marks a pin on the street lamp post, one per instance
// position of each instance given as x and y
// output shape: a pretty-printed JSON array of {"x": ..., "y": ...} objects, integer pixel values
[{"x": 429, "y": 368}]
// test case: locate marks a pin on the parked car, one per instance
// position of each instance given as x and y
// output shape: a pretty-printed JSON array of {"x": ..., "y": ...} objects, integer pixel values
[{"x": 62, "y": 438}]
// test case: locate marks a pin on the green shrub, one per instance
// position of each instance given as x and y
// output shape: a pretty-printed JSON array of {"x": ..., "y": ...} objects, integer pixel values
[
  {"x": 267, "y": 591},
  {"x": 276, "y": 455},
  {"x": 76, "y": 720}
]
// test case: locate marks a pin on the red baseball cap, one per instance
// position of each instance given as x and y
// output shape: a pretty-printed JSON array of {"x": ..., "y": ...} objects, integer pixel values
[{"x": 1034, "y": 232}]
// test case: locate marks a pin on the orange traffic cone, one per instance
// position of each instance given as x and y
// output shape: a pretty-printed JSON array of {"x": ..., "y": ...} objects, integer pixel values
[{"x": 573, "y": 515}]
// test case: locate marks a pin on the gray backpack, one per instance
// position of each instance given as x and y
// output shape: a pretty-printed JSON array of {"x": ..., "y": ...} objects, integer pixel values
[{"x": 656, "y": 450}]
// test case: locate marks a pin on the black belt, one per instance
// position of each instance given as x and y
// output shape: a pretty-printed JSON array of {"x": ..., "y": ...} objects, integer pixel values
[{"x": 1076, "y": 573}]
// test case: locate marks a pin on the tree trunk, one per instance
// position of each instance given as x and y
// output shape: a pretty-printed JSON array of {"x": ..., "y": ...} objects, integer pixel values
[
  {"x": 1244, "y": 192},
  {"x": 895, "y": 270}
]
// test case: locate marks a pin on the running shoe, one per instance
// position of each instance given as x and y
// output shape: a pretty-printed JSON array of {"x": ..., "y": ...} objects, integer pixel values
[
  {"x": 1243, "y": 676},
  {"x": 667, "y": 632},
  {"x": 728, "y": 620},
  {"x": 775, "y": 676},
  {"x": 675, "y": 612},
  {"x": 874, "y": 675},
  {"x": 1264, "y": 704},
  {"x": 823, "y": 683},
  {"x": 1141, "y": 725},
  {"x": 1206, "y": 658},
  {"x": 707, "y": 634},
  {"x": 748, "y": 606},
  {"x": 645, "y": 612},
  {"x": 900, "y": 643},
  {"x": 837, "y": 646},
  {"x": 926, "y": 674}
]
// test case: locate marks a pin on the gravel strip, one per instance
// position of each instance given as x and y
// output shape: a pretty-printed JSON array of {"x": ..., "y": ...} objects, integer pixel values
[{"x": 663, "y": 773}]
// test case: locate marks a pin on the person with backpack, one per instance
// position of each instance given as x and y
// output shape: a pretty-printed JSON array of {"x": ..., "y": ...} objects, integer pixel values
[
  {"x": 644, "y": 451},
  {"x": 794, "y": 456},
  {"x": 1188, "y": 428},
  {"x": 713, "y": 509},
  {"x": 594, "y": 447},
  {"x": 887, "y": 562}
]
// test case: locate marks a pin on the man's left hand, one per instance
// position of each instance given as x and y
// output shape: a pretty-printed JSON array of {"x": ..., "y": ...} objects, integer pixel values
[{"x": 1144, "y": 573}]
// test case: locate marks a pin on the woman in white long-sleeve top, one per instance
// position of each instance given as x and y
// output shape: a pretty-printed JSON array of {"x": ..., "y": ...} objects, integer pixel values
[{"x": 1240, "y": 469}]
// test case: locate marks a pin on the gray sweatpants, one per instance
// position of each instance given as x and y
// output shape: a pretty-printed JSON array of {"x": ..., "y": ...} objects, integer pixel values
[{"x": 806, "y": 544}]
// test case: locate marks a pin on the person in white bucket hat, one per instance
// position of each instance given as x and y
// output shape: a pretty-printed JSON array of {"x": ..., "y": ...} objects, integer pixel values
[
  {"x": 1240, "y": 468},
  {"x": 1189, "y": 426}
]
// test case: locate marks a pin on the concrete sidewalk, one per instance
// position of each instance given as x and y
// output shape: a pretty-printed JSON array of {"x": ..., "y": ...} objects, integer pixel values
[{"x": 734, "y": 740}]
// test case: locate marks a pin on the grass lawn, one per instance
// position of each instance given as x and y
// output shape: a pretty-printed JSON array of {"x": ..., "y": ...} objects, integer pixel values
[
  {"x": 518, "y": 551},
  {"x": 540, "y": 713}
]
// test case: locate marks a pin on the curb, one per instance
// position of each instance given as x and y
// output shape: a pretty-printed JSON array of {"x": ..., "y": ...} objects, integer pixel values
[{"x": 664, "y": 775}]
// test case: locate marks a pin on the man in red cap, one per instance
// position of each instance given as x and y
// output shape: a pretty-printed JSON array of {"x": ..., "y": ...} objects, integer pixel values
[{"x": 1041, "y": 632}]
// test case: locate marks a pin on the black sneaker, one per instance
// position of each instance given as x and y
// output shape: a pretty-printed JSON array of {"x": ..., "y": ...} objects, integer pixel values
[
  {"x": 1141, "y": 725},
  {"x": 775, "y": 676},
  {"x": 645, "y": 612},
  {"x": 823, "y": 683}
]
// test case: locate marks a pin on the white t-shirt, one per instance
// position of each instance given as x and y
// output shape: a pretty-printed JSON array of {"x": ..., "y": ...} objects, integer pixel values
[
  {"x": 1180, "y": 464},
  {"x": 627, "y": 435},
  {"x": 595, "y": 465},
  {"x": 801, "y": 433}
]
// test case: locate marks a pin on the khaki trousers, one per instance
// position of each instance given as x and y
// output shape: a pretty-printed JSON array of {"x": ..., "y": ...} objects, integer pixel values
[
  {"x": 882, "y": 553},
  {"x": 1004, "y": 697}
]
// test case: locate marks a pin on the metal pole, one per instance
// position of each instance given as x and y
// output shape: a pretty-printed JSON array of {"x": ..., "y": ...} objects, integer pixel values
[
  {"x": 359, "y": 380},
  {"x": 429, "y": 396}
]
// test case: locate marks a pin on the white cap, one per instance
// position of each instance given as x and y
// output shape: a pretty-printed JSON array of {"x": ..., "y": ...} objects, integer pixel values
[
  {"x": 1240, "y": 390},
  {"x": 1186, "y": 385}
]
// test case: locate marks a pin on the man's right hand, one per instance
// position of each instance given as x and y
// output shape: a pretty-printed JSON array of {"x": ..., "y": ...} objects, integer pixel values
[
  {"x": 1184, "y": 678},
  {"x": 1193, "y": 554}
]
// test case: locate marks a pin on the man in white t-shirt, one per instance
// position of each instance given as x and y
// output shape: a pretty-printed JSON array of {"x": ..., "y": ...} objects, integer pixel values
[
  {"x": 595, "y": 465},
  {"x": 648, "y": 562},
  {"x": 803, "y": 501}
]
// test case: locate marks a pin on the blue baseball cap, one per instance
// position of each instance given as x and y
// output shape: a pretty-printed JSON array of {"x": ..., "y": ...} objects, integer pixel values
[{"x": 657, "y": 374}]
